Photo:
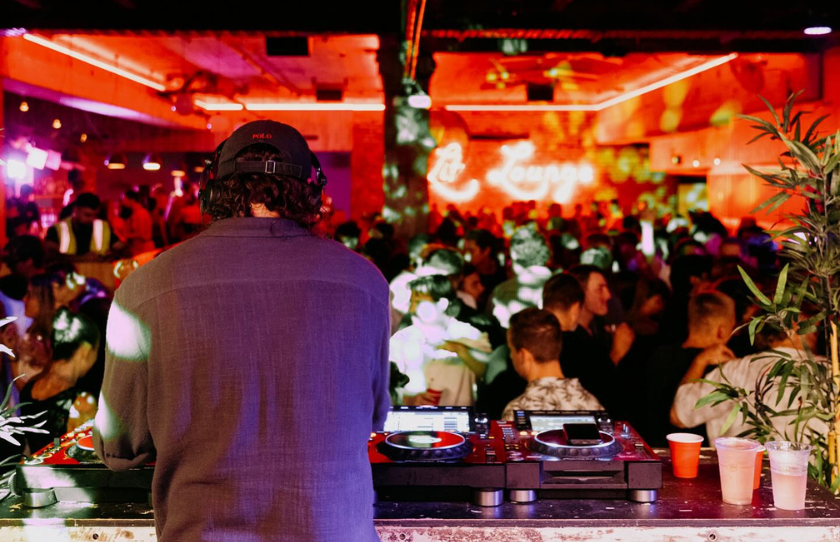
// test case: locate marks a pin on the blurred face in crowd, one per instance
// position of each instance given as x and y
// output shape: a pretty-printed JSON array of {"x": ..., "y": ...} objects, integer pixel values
[
  {"x": 474, "y": 254},
  {"x": 597, "y": 295},
  {"x": 84, "y": 215},
  {"x": 426, "y": 309},
  {"x": 472, "y": 285},
  {"x": 68, "y": 290},
  {"x": 32, "y": 306},
  {"x": 730, "y": 250}
]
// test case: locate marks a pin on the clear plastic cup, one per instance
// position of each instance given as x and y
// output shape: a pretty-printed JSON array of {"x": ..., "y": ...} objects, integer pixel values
[
  {"x": 789, "y": 472},
  {"x": 685, "y": 453},
  {"x": 736, "y": 459}
]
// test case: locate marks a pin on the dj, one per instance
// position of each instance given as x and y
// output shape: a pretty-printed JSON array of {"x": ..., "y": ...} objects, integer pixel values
[{"x": 251, "y": 361}]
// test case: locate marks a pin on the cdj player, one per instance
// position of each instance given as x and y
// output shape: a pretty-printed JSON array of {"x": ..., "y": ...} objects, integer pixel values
[
  {"x": 582, "y": 454},
  {"x": 69, "y": 470},
  {"x": 436, "y": 453}
]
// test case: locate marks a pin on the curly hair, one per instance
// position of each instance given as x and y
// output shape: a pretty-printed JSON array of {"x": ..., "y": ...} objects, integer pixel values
[{"x": 290, "y": 197}]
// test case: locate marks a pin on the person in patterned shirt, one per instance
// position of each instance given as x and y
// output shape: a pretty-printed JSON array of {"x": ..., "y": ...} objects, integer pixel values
[{"x": 535, "y": 341}]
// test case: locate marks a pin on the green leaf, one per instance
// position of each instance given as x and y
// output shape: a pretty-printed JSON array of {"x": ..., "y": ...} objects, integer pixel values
[
  {"x": 780, "y": 285},
  {"x": 753, "y": 288},
  {"x": 783, "y": 383},
  {"x": 715, "y": 397},
  {"x": 813, "y": 127},
  {"x": 731, "y": 418},
  {"x": 759, "y": 136},
  {"x": 753, "y": 324},
  {"x": 773, "y": 202},
  {"x": 804, "y": 155},
  {"x": 771, "y": 108},
  {"x": 764, "y": 124}
]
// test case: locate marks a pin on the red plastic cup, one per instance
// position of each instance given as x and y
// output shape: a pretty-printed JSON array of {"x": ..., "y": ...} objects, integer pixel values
[
  {"x": 685, "y": 453},
  {"x": 759, "y": 457},
  {"x": 435, "y": 395}
]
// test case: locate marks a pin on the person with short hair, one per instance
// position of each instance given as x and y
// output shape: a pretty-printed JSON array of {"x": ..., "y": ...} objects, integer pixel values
[
  {"x": 563, "y": 297},
  {"x": 589, "y": 353},
  {"x": 711, "y": 320},
  {"x": 535, "y": 340},
  {"x": 250, "y": 362},
  {"x": 84, "y": 232},
  {"x": 480, "y": 249},
  {"x": 747, "y": 372}
]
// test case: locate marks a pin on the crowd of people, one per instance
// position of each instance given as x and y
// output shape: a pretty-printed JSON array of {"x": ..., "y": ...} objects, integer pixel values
[
  {"x": 58, "y": 336},
  {"x": 527, "y": 310},
  {"x": 595, "y": 310}
]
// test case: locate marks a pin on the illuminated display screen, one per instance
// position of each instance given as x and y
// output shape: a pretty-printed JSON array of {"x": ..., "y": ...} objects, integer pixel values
[
  {"x": 547, "y": 423},
  {"x": 431, "y": 420}
]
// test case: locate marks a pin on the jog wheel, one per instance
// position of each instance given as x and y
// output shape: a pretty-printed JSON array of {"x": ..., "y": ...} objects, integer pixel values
[
  {"x": 425, "y": 446},
  {"x": 82, "y": 451},
  {"x": 554, "y": 443}
]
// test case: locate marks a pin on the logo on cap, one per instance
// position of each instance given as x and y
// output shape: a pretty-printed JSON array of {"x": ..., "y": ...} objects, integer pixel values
[{"x": 261, "y": 136}]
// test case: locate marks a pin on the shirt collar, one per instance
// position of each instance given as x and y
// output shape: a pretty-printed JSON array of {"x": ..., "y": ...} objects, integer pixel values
[{"x": 248, "y": 226}]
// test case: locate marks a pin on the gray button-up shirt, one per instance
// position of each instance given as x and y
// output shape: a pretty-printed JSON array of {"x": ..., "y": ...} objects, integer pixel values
[{"x": 251, "y": 364}]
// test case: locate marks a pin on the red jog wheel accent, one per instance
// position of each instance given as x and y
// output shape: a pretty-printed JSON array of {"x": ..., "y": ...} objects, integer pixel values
[{"x": 85, "y": 443}]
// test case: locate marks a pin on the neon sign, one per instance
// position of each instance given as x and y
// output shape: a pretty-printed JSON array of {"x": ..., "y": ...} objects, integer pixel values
[
  {"x": 515, "y": 177},
  {"x": 447, "y": 169}
]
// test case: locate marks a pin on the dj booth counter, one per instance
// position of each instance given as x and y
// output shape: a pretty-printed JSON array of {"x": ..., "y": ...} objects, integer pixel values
[{"x": 686, "y": 510}]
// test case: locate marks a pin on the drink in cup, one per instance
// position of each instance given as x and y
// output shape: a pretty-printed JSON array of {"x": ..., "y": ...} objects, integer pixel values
[
  {"x": 434, "y": 395},
  {"x": 736, "y": 459},
  {"x": 685, "y": 453},
  {"x": 789, "y": 472}
]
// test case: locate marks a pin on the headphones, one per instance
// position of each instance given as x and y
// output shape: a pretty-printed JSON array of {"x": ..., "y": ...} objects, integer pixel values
[{"x": 208, "y": 179}]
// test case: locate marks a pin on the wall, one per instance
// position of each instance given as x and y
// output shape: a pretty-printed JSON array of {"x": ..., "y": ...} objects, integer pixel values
[{"x": 722, "y": 148}]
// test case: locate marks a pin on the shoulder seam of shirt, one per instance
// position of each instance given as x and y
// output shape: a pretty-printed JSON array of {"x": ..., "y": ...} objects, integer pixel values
[{"x": 157, "y": 295}]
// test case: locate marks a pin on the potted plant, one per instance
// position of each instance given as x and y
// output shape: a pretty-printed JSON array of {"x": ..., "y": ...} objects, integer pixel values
[{"x": 809, "y": 169}]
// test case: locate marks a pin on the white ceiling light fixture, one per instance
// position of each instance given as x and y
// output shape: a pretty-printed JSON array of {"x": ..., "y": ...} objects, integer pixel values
[
  {"x": 714, "y": 63},
  {"x": 292, "y": 106},
  {"x": 207, "y": 106},
  {"x": 817, "y": 30},
  {"x": 94, "y": 62}
]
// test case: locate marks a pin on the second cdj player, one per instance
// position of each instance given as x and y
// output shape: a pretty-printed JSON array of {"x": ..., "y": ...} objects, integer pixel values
[{"x": 433, "y": 451}]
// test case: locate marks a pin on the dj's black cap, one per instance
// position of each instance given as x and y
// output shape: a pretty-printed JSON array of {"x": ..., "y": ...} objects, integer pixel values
[{"x": 289, "y": 143}]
